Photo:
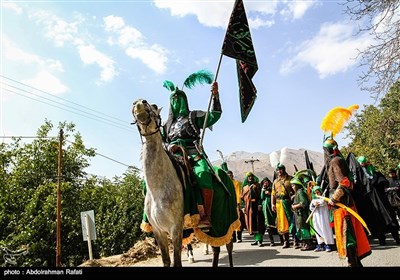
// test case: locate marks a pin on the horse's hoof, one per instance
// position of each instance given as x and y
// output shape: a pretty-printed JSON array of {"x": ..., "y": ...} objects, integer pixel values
[{"x": 191, "y": 259}]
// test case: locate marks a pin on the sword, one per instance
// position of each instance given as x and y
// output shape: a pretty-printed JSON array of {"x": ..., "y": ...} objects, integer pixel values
[
  {"x": 351, "y": 211},
  {"x": 312, "y": 212}
]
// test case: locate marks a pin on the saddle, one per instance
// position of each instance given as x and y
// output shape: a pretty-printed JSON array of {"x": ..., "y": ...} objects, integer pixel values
[{"x": 182, "y": 166}]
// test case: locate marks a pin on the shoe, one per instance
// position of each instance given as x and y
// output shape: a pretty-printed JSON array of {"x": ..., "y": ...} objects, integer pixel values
[
  {"x": 296, "y": 245},
  {"x": 328, "y": 248},
  {"x": 254, "y": 243},
  {"x": 318, "y": 248},
  {"x": 261, "y": 245},
  {"x": 285, "y": 245},
  {"x": 306, "y": 248},
  {"x": 239, "y": 240},
  {"x": 272, "y": 244}
]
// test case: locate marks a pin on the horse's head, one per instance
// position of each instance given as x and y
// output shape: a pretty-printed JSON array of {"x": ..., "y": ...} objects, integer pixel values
[{"x": 147, "y": 117}]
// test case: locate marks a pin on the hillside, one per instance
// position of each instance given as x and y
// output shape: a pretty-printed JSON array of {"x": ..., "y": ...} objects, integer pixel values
[{"x": 262, "y": 168}]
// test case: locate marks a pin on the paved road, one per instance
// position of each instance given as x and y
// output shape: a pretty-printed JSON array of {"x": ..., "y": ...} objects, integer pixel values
[{"x": 246, "y": 255}]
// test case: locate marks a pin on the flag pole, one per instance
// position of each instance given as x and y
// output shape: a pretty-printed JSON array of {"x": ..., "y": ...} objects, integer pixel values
[
  {"x": 209, "y": 104},
  {"x": 199, "y": 146}
]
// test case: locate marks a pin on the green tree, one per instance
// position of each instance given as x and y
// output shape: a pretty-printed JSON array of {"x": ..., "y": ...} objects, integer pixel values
[
  {"x": 28, "y": 202},
  {"x": 375, "y": 131}
]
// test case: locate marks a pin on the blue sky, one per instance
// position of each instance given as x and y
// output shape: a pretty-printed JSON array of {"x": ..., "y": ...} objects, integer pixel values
[{"x": 86, "y": 62}]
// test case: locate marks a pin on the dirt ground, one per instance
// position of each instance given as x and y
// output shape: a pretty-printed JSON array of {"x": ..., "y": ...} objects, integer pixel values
[
  {"x": 146, "y": 254},
  {"x": 145, "y": 251}
]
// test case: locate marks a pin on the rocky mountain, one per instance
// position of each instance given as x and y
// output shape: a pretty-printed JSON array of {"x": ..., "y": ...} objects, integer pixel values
[{"x": 260, "y": 163}]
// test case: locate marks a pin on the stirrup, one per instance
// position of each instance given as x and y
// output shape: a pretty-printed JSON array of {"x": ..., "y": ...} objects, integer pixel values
[{"x": 205, "y": 226}]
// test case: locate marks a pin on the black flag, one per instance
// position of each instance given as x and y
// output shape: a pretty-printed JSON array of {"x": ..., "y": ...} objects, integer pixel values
[
  {"x": 309, "y": 164},
  {"x": 239, "y": 45}
]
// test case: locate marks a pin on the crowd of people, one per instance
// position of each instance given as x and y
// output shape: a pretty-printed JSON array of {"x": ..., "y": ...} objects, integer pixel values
[
  {"x": 338, "y": 217},
  {"x": 293, "y": 207}
]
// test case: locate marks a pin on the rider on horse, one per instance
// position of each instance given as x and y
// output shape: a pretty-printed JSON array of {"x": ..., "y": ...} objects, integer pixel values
[{"x": 181, "y": 134}]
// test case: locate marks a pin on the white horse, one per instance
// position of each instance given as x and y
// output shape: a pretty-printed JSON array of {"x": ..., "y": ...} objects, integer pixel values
[{"x": 164, "y": 201}]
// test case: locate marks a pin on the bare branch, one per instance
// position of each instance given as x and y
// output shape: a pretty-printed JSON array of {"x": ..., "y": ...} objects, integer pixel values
[{"x": 382, "y": 58}]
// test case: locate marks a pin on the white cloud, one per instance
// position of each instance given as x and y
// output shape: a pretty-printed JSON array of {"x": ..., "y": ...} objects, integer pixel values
[
  {"x": 296, "y": 9},
  {"x": 47, "y": 82},
  {"x": 55, "y": 28},
  {"x": 11, "y": 6},
  {"x": 62, "y": 32},
  {"x": 334, "y": 49},
  {"x": 12, "y": 52},
  {"x": 154, "y": 57},
  {"x": 45, "y": 79},
  {"x": 385, "y": 22},
  {"x": 217, "y": 13},
  {"x": 126, "y": 35},
  {"x": 89, "y": 55},
  {"x": 130, "y": 35},
  {"x": 113, "y": 23},
  {"x": 135, "y": 45},
  {"x": 212, "y": 14},
  {"x": 259, "y": 22}
]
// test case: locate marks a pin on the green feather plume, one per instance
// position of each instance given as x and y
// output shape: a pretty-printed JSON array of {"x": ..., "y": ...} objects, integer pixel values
[
  {"x": 199, "y": 77},
  {"x": 169, "y": 85}
]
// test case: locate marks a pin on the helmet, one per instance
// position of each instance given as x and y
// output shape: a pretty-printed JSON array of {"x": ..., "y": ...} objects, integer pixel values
[
  {"x": 179, "y": 103},
  {"x": 330, "y": 143},
  {"x": 249, "y": 174},
  {"x": 296, "y": 181},
  {"x": 280, "y": 166},
  {"x": 362, "y": 159},
  {"x": 314, "y": 189}
]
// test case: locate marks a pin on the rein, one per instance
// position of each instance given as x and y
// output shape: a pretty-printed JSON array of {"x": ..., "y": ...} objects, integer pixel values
[{"x": 151, "y": 115}]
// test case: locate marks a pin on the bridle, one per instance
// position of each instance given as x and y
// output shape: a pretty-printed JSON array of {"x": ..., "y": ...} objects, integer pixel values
[{"x": 151, "y": 113}]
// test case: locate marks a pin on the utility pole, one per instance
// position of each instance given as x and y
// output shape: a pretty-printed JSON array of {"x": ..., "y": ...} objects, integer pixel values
[
  {"x": 251, "y": 161},
  {"x": 59, "y": 178}
]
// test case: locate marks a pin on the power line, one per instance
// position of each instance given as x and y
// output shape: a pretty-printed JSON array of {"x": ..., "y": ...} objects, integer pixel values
[
  {"x": 106, "y": 157},
  {"x": 50, "y": 137},
  {"x": 75, "y": 108},
  {"x": 115, "y": 125},
  {"x": 104, "y": 117}
]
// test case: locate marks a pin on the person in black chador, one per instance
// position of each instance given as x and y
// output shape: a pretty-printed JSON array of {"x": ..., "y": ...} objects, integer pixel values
[
  {"x": 393, "y": 191},
  {"x": 372, "y": 202}
]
